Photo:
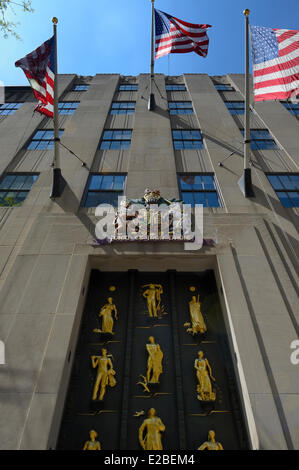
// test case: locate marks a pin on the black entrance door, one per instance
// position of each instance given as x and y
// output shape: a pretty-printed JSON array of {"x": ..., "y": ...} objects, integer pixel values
[{"x": 152, "y": 366}]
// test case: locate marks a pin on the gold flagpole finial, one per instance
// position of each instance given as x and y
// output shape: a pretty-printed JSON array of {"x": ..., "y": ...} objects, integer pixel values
[
  {"x": 246, "y": 12},
  {"x": 54, "y": 20}
]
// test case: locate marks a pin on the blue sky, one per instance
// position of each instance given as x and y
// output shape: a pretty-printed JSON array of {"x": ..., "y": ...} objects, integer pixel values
[{"x": 113, "y": 36}]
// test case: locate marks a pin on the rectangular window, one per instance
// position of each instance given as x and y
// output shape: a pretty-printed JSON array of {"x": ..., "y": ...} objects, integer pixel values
[
  {"x": 198, "y": 189},
  {"x": 7, "y": 109},
  {"x": 261, "y": 139},
  {"x": 128, "y": 87},
  {"x": 187, "y": 139},
  {"x": 175, "y": 87},
  {"x": 235, "y": 107},
  {"x": 223, "y": 87},
  {"x": 123, "y": 107},
  {"x": 293, "y": 108},
  {"x": 81, "y": 87},
  {"x": 43, "y": 139},
  {"x": 104, "y": 188},
  {"x": 116, "y": 139},
  {"x": 180, "y": 107},
  {"x": 67, "y": 107},
  {"x": 15, "y": 187},
  {"x": 286, "y": 186}
]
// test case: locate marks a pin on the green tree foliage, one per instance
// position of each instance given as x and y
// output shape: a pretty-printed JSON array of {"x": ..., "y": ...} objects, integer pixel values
[{"x": 9, "y": 27}]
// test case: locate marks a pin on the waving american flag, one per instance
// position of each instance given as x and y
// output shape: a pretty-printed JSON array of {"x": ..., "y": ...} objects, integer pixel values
[
  {"x": 38, "y": 67},
  {"x": 177, "y": 36},
  {"x": 275, "y": 57}
]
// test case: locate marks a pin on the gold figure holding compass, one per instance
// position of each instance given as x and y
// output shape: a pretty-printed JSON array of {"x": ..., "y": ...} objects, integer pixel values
[
  {"x": 211, "y": 443},
  {"x": 204, "y": 377},
  {"x": 153, "y": 298},
  {"x": 105, "y": 374}
]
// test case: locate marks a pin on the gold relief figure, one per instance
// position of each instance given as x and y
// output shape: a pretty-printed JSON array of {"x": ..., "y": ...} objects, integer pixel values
[
  {"x": 153, "y": 299},
  {"x": 92, "y": 444},
  {"x": 197, "y": 321},
  {"x": 154, "y": 362},
  {"x": 105, "y": 374},
  {"x": 204, "y": 377},
  {"x": 153, "y": 427},
  {"x": 211, "y": 443},
  {"x": 106, "y": 313}
]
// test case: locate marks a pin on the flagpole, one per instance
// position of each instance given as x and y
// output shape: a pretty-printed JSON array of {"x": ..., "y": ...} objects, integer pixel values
[
  {"x": 245, "y": 182},
  {"x": 151, "y": 101},
  {"x": 57, "y": 180}
]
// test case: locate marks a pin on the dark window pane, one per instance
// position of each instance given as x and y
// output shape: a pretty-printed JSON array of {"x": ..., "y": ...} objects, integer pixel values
[
  {"x": 105, "y": 144},
  {"x": 178, "y": 144},
  {"x": 18, "y": 182},
  {"x": 188, "y": 198},
  {"x": 186, "y": 181},
  {"x": 275, "y": 181},
  {"x": 287, "y": 182},
  {"x": 208, "y": 182},
  {"x": 295, "y": 179},
  {"x": 107, "y": 182},
  {"x": 119, "y": 182},
  {"x": 285, "y": 201},
  {"x": 200, "y": 198},
  {"x": 294, "y": 196},
  {"x": 95, "y": 182},
  {"x": 107, "y": 135},
  {"x": 7, "y": 181},
  {"x": 115, "y": 145},
  {"x": 212, "y": 199}
]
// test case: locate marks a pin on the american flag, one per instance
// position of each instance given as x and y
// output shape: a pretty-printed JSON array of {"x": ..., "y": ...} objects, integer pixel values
[
  {"x": 177, "y": 36},
  {"x": 275, "y": 57},
  {"x": 38, "y": 67}
]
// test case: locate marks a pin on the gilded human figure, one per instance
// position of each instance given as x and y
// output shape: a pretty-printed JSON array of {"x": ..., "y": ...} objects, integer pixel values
[
  {"x": 106, "y": 313},
  {"x": 154, "y": 362},
  {"x": 197, "y": 321},
  {"x": 211, "y": 443},
  {"x": 204, "y": 378},
  {"x": 92, "y": 444},
  {"x": 153, "y": 298},
  {"x": 105, "y": 374},
  {"x": 153, "y": 427}
]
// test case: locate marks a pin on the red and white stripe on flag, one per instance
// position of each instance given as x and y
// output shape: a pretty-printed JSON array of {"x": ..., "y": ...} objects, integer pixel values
[
  {"x": 38, "y": 67},
  {"x": 177, "y": 36},
  {"x": 278, "y": 77}
]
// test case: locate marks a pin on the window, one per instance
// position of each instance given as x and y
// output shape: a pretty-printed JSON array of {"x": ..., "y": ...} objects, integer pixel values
[
  {"x": 223, "y": 87},
  {"x": 81, "y": 87},
  {"x": 67, "y": 107},
  {"x": 14, "y": 188},
  {"x": 293, "y": 108},
  {"x": 286, "y": 186},
  {"x": 116, "y": 139},
  {"x": 43, "y": 139},
  {"x": 175, "y": 87},
  {"x": 9, "y": 108},
  {"x": 180, "y": 107},
  {"x": 123, "y": 107},
  {"x": 198, "y": 189},
  {"x": 235, "y": 107},
  {"x": 261, "y": 139},
  {"x": 104, "y": 189},
  {"x": 187, "y": 139},
  {"x": 128, "y": 87}
]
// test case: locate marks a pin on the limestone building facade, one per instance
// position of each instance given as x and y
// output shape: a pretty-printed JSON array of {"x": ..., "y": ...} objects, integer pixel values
[{"x": 47, "y": 248}]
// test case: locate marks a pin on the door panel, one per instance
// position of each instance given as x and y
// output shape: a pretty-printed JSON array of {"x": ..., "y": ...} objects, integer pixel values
[{"x": 118, "y": 417}]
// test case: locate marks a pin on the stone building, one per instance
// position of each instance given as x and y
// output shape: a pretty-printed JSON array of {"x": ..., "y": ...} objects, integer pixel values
[{"x": 55, "y": 278}]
